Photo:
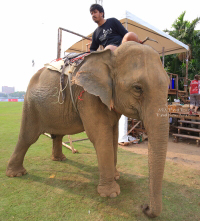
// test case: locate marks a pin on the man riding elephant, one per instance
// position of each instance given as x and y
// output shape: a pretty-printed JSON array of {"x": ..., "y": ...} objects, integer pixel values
[{"x": 110, "y": 32}]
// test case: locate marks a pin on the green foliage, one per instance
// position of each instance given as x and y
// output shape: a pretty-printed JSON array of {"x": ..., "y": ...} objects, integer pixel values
[
  {"x": 185, "y": 32},
  {"x": 67, "y": 190},
  {"x": 18, "y": 94},
  {"x": 3, "y": 95}
]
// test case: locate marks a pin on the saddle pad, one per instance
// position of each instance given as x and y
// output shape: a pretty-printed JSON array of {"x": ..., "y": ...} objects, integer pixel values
[{"x": 55, "y": 65}]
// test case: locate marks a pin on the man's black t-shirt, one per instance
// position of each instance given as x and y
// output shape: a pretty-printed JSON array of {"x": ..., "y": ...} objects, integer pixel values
[{"x": 110, "y": 33}]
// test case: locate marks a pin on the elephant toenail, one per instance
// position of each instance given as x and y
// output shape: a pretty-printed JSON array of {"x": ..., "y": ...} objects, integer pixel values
[
  {"x": 19, "y": 174},
  {"x": 103, "y": 195},
  {"x": 112, "y": 195},
  {"x": 144, "y": 207},
  {"x": 117, "y": 178}
]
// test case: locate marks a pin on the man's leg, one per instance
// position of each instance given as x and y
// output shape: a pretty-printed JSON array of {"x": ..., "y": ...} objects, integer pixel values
[
  {"x": 197, "y": 104},
  {"x": 131, "y": 36},
  {"x": 192, "y": 103},
  {"x": 191, "y": 106},
  {"x": 111, "y": 47}
]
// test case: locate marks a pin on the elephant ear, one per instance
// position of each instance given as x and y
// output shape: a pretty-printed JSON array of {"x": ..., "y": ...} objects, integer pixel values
[{"x": 94, "y": 75}]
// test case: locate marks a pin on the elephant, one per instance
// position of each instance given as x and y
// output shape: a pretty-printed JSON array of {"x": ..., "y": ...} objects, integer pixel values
[{"x": 130, "y": 81}]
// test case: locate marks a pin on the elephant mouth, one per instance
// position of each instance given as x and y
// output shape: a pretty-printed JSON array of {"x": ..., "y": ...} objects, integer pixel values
[{"x": 134, "y": 112}]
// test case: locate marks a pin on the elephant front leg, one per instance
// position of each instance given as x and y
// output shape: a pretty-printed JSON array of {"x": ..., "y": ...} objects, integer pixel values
[
  {"x": 115, "y": 146},
  {"x": 57, "y": 154},
  {"x": 99, "y": 123},
  {"x": 107, "y": 184}
]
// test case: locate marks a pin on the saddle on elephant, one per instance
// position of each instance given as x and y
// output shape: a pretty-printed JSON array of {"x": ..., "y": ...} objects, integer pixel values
[{"x": 66, "y": 66}]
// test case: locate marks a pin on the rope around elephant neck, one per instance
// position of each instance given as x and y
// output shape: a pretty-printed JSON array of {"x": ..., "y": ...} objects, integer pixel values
[{"x": 60, "y": 92}]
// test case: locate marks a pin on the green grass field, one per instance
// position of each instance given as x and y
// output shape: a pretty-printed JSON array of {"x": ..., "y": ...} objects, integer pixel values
[{"x": 67, "y": 190}]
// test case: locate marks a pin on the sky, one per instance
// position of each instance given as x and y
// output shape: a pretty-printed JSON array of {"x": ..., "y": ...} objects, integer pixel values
[{"x": 29, "y": 29}]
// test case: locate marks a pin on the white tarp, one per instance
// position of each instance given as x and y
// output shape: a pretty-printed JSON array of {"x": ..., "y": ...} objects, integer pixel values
[
  {"x": 123, "y": 129},
  {"x": 143, "y": 30}
]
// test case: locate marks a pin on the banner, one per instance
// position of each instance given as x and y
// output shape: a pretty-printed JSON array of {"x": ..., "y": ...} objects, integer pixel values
[{"x": 12, "y": 100}]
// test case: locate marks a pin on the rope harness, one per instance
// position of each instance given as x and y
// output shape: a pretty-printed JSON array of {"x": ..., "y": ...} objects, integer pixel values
[{"x": 72, "y": 62}]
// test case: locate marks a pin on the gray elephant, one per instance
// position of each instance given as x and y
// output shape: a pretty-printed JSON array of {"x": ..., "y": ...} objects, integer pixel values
[{"x": 129, "y": 81}]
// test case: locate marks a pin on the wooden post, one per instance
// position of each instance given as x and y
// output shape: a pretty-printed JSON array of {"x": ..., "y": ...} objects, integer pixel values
[
  {"x": 71, "y": 144},
  {"x": 64, "y": 144},
  {"x": 133, "y": 127},
  {"x": 126, "y": 24},
  {"x": 176, "y": 86},
  {"x": 59, "y": 43},
  {"x": 163, "y": 56},
  {"x": 60, "y": 39},
  {"x": 63, "y": 29},
  {"x": 186, "y": 74},
  {"x": 170, "y": 81}
]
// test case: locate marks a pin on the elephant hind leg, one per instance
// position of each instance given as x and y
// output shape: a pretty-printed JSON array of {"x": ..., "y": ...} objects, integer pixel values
[
  {"x": 57, "y": 154},
  {"x": 29, "y": 133},
  {"x": 15, "y": 166}
]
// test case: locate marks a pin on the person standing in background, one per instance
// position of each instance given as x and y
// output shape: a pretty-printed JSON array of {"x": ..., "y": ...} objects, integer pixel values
[{"x": 194, "y": 95}]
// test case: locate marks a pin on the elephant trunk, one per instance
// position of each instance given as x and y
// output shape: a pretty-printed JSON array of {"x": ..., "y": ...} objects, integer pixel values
[{"x": 156, "y": 124}]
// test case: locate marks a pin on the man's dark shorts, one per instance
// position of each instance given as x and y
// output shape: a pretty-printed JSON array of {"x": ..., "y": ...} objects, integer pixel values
[{"x": 195, "y": 99}]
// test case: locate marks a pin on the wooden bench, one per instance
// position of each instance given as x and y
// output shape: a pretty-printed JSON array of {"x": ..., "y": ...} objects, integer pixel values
[
  {"x": 176, "y": 136},
  {"x": 188, "y": 122},
  {"x": 188, "y": 128}
]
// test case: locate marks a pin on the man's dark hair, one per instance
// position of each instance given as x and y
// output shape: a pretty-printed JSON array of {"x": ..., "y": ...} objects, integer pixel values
[{"x": 97, "y": 7}]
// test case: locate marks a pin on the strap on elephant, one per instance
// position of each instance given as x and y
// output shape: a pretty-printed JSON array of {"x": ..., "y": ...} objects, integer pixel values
[
  {"x": 74, "y": 62},
  {"x": 71, "y": 92}
]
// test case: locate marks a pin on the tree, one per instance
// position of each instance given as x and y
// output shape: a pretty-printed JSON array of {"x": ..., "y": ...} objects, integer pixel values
[
  {"x": 185, "y": 32},
  {"x": 3, "y": 95},
  {"x": 18, "y": 94}
]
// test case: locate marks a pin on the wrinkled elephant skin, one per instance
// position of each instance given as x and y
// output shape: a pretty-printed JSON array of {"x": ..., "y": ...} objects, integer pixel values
[{"x": 129, "y": 81}]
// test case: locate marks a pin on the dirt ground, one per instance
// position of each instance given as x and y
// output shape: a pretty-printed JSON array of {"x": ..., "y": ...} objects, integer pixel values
[{"x": 185, "y": 152}]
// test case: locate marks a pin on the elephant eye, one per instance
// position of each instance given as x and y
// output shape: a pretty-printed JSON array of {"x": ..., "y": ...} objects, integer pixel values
[{"x": 138, "y": 89}]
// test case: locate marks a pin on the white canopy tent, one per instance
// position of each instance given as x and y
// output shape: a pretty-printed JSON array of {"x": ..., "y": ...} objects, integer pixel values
[{"x": 166, "y": 44}]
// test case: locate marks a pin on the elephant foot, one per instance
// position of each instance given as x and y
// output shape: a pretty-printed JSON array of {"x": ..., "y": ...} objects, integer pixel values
[
  {"x": 117, "y": 175},
  {"x": 16, "y": 172},
  {"x": 147, "y": 211},
  {"x": 62, "y": 157},
  {"x": 112, "y": 190}
]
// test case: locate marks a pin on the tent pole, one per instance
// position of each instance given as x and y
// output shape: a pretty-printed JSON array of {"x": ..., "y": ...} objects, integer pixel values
[
  {"x": 63, "y": 29},
  {"x": 126, "y": 24},
  {"x": 163, "y": 56},
  {"x": 59, "y": 43},
  {"x": 186, "y": 74}
]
